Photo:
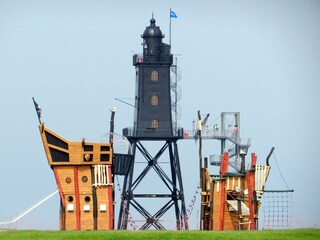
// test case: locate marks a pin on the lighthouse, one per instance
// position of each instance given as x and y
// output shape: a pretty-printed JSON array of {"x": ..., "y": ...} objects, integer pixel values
[
  {"x": 153, "y": 123},
  {"x": 153, "y": 118}
]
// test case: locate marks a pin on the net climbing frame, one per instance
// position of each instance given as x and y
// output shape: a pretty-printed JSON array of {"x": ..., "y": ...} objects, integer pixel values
[{"x": 278, "y": 209}]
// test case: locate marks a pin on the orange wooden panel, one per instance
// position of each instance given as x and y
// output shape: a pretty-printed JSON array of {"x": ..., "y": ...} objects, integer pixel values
[
  {"x": 104, "y": 198},
  {"x": 86, "y": 208},
  {"x": 216, "y": 207},
  {"x": 70, "y": 222},
  {"x": 66, "y": 179},
  {"x": 85, "y": 179}
]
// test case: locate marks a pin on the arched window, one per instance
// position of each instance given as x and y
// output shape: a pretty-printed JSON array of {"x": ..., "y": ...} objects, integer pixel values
[
  {"x": 154, "y": 124},
  {"x": 154, "y": 100},
  {"x": 154, "y": 76}
]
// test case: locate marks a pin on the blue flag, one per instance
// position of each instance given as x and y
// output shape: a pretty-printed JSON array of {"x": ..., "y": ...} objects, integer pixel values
[{"x": 173, "y": 14}]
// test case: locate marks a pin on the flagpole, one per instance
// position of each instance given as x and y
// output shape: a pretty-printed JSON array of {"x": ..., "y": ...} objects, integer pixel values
[{"x": 170, "y": 28}]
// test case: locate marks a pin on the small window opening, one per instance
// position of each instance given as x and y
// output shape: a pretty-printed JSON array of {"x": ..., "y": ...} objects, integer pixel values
[{"x": 154, "y": 76}]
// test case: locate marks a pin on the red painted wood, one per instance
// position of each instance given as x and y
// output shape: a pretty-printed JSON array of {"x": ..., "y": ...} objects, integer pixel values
[
  {"x": 222, "y": 204},
  {"x": 62, "y": 211},
  {"x": 250, "y": 199},
  {"x": 55, "y": 171},
  {"x": 253, "y": 160},
  {"x": 223, "y": 171},
  {"x": 224, "y": 164},
  {"x": 76, "y": 188},
  {"x": 111, "y": 212}
]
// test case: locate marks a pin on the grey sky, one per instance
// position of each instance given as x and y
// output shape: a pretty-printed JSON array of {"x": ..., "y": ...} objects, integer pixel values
[{"x": 261, "y": 58}]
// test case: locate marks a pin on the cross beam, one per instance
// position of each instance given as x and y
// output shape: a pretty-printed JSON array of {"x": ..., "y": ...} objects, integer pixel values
[{"x": 173, "y": 184}]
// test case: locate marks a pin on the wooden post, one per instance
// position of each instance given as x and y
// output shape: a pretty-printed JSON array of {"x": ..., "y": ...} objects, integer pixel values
[
  {"x": 77, "y": 195},
  {"x": 250, "y": 199},
  {"x": 241, "y": 193},
  {"x": 113, "y": 112},
  {"x": 200, "y": 168},
  {"x": 223, "y": 171}
]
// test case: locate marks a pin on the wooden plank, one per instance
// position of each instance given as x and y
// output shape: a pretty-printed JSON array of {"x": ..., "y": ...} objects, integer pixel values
[
  {"x": 104, "y": 198},
  {"x": 56, "y": 175},
  {"x": 77, "y": 197},
  {"x": 111, "y": 201},
  {"x": 66, "y": 178},
  {"x": 250, "y": 198},
  {"x": 86, "y": 208},
  {"x": 216, "y": 210},
  {"x": 70, "y": 216},
  {"x": 234, "y": 205},
  {"x": 84, "y": 180}
]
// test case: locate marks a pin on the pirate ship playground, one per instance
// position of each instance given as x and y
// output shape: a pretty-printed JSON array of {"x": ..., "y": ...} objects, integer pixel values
[{"x": 86, "y": 173}]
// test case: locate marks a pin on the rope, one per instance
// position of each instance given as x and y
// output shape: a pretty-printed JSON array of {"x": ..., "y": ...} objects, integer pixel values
[
  {"x": 274, "y": 156},
  {"x": 214, "y": 121},
  {"x": 130, "y": 219},
  {"x": 188, "y": 211},
  {"x": 192, "y": 203}
]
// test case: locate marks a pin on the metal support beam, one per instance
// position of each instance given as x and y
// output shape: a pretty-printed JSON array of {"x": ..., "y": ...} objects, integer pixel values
[{"x": 173, "y": 183}]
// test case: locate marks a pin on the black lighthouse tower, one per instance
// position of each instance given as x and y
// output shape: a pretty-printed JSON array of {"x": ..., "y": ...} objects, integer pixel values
[{"x": 153, "y": 122}]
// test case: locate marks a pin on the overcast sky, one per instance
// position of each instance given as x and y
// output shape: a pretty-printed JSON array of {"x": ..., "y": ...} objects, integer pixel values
[{"x": 259, "y": 58}]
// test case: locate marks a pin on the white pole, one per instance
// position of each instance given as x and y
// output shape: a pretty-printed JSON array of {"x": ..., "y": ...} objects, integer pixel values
[
  {"x": 170, "y": 28},
  {"x": 30, "y": 209}
]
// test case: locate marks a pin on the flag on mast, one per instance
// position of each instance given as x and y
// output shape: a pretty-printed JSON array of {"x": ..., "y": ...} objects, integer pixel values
[{"x": 173, "y": 14}]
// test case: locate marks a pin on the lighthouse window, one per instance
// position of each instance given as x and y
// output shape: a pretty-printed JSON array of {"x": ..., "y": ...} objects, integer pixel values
[
  {"x": 154, "y": 124},
  {"x": 154, "y": 100},
  {"x": 154, "y": 76}
]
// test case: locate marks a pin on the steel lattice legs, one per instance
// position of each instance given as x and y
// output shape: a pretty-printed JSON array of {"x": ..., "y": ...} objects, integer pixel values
[{"x": 173, "y": 182}]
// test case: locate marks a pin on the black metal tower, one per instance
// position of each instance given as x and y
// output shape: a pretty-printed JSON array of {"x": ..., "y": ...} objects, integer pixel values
[{"x": 153, "y": 122}]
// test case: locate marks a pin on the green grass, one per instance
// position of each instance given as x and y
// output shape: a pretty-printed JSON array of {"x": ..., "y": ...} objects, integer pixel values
[{"x": 305, "y": 234}]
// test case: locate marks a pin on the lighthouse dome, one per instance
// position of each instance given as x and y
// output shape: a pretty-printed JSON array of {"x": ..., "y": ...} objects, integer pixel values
[{"x": 152, "y": 30}]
